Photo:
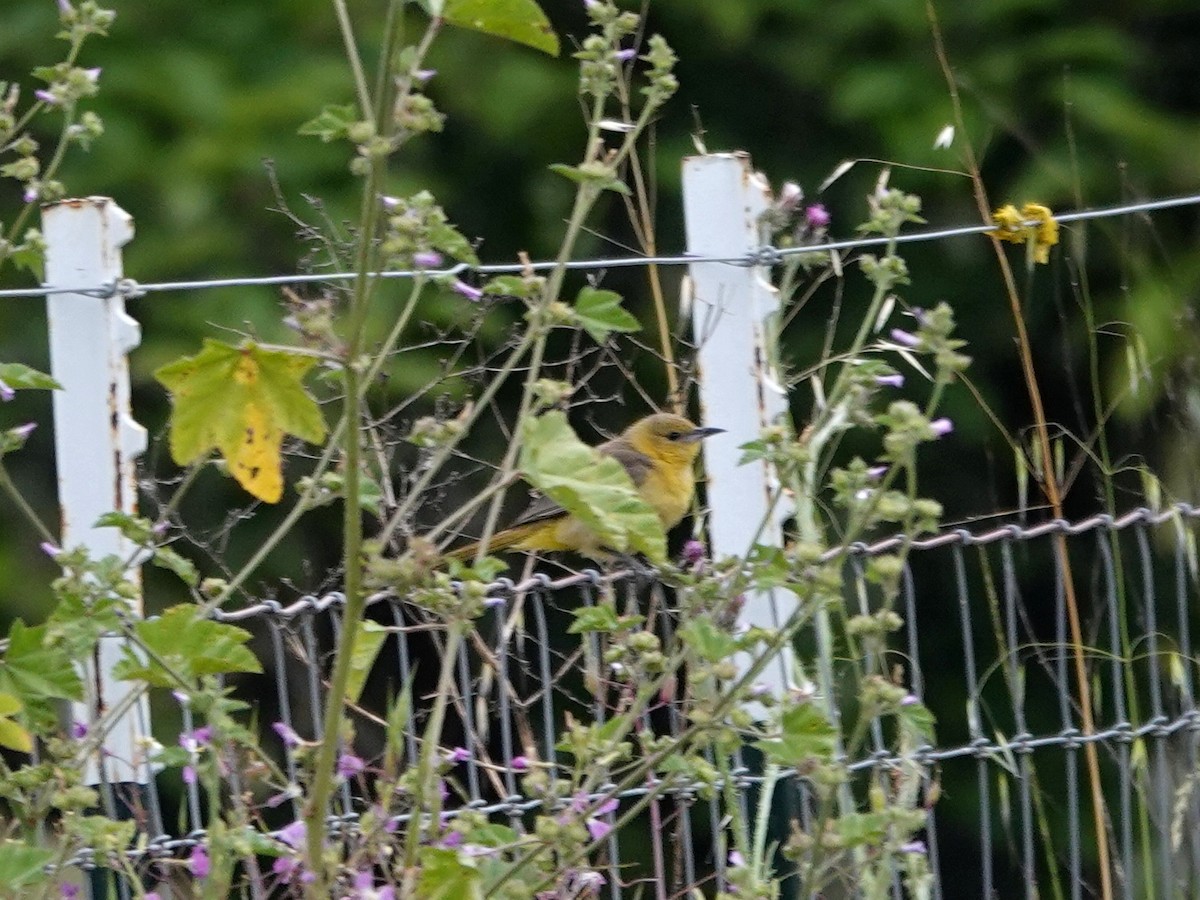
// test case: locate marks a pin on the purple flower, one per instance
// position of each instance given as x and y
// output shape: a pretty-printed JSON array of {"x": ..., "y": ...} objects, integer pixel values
[
  {"x": 876, "y": 472},
  {"x": 153, "y": 895},
  {"x": 519, "y": 764},
  {"x": 64, "y": 7},
  {"x": 286, "y": 867},
  {"x": 30, "y": 193},
  {"x": 79, "y": 730},
  {"x": 349, "y": 765},
  {"x": 198, "y": 862},
  {"x": 625, "y": 55},
  {"x": 895, "y": 380},
  {"x": 181, "y": 698},
  {"x": 423, "y": 75},
  {"x": 907, "y": 338},
  {"x": 736, "y": 858},
  {"x": 23, "y": 431},
  {"x": 189, "y": 774},
  {"x": 390, "y": 202},
  {"x": 287, "y": 734},
  {"x": 910, "y": 700},
  {"x": 694, "y": 552},
  {"x": 473, "y": 294},
  {"x": 92, "y": 75},
  {"x": 293, "y": 835},
  {"x": 46, "y": 97},
  {"x": 68, "y": 891},
  {"x": 50, "y": 550},
  {"x": 914, "y": 847},
  {"x": 458, "y": 755},
  {"x": 596, "y": 827},
  {"x": 941, "y": 427},
  {"x": 6, "y": 392},
  {"x": 427, "y": 259},
  {"x": 195, "y": 739},
  {"x": 817, "y": 216}
]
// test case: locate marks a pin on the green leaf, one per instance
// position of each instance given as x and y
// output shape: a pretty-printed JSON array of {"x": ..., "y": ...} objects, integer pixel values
[
  {"x": 596, "y": 174},
  {"x": 512, "y": 286},
  {"x": 241, "y": 401},
  {"x": 190, "y": 646},
  {"x": 713, "y": 644},
  {"x": 166, "y": 558},
  {"x": 595, "y": 618},
  {"x": 21, "y": 864},
  {"x": 333, "y": 122},
  {"x": 806, "y": 734},
  {"x": 521, "y": 21},
  {"x": 36, "y": 674},
  {"x": 600, "y": 313},
  {"x": 445, "y": 875},
  {"x": 367, "y": 643},
  {"x": 21, "y": 378},
  {"x": 594, "y": 488},
  {"x": 916, "y": 718}
]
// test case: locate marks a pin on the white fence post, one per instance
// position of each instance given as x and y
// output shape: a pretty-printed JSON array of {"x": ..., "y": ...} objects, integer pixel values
[
  {"x": 732, "y": 308},
  {"x": 96, "y": 439}
]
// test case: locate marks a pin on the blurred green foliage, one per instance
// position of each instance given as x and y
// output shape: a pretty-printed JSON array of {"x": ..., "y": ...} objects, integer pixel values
[{"x": 1064, "y": 106}]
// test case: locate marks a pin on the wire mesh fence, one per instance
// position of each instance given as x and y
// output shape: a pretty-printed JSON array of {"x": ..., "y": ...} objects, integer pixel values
[{"x": 985, "y": 645}]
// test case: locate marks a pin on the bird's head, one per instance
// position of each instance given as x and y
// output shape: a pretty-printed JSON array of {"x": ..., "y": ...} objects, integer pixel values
[{"x": 668, "y": 437}]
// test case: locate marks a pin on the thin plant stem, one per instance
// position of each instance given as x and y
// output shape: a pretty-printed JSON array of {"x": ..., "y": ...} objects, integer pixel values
[{"x": 1049, "y": 481}]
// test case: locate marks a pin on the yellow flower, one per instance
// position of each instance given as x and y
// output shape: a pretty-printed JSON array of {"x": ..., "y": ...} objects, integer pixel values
[{"x": 1033, "y": 224}]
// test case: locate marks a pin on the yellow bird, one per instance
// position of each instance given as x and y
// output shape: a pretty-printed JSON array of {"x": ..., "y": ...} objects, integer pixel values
[{"x": 658, "y": 452}]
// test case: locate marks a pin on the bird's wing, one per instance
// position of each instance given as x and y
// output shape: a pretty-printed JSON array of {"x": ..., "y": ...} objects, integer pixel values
[{"x": 637, "y": 464}]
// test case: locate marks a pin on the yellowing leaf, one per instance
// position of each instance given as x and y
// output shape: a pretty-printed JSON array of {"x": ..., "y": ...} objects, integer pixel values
[{"x": 241, "y": 401}]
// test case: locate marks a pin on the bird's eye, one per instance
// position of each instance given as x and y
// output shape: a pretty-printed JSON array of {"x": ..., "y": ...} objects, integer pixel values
[{"x": 674, "y": 435}]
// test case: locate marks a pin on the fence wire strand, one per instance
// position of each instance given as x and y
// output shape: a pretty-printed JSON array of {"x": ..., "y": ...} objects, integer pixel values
[{"x": 767, "y": 255}]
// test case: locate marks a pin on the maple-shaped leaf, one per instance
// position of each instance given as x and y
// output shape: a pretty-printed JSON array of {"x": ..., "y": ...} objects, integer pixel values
[{"x": 241, "y": 401}]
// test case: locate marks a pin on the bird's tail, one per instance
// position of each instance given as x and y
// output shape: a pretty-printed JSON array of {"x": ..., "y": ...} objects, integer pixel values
[{"x": 501, "y": 541}]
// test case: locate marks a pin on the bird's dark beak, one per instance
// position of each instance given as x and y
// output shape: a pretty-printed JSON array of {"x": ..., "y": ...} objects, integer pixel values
[{"x": 700, "y": 434}]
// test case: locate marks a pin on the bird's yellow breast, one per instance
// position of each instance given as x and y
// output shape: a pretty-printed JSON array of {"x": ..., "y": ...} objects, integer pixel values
[{"x": 669, "y": 489}]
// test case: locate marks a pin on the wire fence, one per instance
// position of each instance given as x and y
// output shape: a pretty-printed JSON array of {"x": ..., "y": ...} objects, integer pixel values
[
  {"x": 985, "y": 646},
  {"x": 129, "y": 288}
]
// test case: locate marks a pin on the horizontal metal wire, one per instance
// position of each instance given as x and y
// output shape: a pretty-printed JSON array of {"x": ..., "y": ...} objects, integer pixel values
[
  {"x": 503, "y": 588},
  {"x": 130, "y": 288}
]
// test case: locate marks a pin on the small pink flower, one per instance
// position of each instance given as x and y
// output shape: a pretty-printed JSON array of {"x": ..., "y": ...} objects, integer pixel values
[
  {"x": 736, "y": 858},
  {"x": 817, "y": 216},
  {"x": 427, "y": 259},
  {"x": 694, "y": 552},
  {"x": 6, "y": 392},
  {"x": 907, "y": 338},
  {"x": 23, "y": 431},
  {"x": 293, "y": 835},
  {"x": 473, "y": 294},
  {"x": 349, "y": 765},
  {"x": 458, "y": 755},
  {"x": 519, "y": 764},
  {"x": 50, "y": 550},
  {"x": 198, "y": 862},
  {"x": 895, "y": 380},
  {"x": 625, "y": 55},
  {"x": 941, "y": 427},
  {"x": 287, "y": 734}
]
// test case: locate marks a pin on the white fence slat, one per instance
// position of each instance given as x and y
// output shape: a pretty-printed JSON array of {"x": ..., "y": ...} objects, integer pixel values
[
  {"x": 95, "y": 437},
  {"x": 732, "y": 307}
]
